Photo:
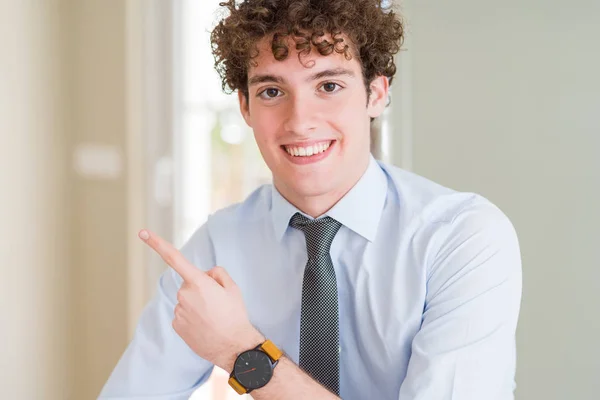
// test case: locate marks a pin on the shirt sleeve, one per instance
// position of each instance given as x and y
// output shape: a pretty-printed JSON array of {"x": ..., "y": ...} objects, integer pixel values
[
  {"x": 157, "y": 363},
  {"x": 465, "y": 348}
]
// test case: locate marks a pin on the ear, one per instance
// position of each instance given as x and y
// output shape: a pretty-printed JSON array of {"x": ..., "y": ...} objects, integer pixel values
[
  {"x": 379, "y": 96},
  {"x": 244, "y": 107}
]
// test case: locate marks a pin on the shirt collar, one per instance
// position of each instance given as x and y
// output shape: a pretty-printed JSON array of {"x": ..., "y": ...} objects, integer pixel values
[{"x": 359, "y": 210}]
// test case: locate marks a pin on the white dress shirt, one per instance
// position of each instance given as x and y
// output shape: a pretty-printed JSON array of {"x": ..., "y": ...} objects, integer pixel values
[{"x": 429, "y": 285}]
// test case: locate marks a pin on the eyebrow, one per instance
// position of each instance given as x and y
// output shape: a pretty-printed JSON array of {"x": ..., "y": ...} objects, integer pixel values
[{"x": 328, "y": 73}]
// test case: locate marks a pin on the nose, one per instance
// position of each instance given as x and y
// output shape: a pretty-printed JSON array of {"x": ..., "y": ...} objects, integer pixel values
[{"x": 301, "y": 116}]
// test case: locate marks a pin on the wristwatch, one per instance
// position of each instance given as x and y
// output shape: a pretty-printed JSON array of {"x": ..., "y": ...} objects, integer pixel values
[{"x": 253, "y": 369}]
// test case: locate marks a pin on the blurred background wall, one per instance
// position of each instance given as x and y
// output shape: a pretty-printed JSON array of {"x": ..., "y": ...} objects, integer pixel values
[
  {"x": 506, "y": 102},
  {"x": 96, "y": 69},
  {"x": 36, "y": 283},
  {"x": 499, "y": 98},
  {"x": 63, "y": 245}
]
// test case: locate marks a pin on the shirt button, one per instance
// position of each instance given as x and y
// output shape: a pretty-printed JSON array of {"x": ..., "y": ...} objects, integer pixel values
[{"x": 340, "y": 349}]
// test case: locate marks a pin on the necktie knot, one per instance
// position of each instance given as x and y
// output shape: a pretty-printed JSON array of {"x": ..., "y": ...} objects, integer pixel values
[{"x": 319, "y": 233}]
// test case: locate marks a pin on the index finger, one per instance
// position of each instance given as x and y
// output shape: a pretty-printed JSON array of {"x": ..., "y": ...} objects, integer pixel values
[{"x": 172, "y": 256}]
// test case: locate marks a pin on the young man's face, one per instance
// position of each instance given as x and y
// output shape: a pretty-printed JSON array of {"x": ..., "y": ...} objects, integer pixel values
[{"x": 311, "y": 124}]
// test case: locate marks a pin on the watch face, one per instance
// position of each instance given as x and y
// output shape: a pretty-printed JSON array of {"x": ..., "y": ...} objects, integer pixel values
[{"x": 253, "y": 369}]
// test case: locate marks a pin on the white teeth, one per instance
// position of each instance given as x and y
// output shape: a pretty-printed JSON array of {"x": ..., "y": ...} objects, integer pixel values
[{"x": 307, "y": 151}]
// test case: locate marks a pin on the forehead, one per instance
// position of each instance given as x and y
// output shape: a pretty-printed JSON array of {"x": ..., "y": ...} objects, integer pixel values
[{"x": 298, "y": 62}]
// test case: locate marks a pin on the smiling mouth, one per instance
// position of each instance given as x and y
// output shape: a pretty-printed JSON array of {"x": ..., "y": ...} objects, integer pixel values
[{"x": 309, "y": 150}]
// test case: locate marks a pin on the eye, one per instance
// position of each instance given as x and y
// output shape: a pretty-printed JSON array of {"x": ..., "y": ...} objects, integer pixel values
[
  {"x": 270, "y": 93},
  {"x": 331, "y": 87}
]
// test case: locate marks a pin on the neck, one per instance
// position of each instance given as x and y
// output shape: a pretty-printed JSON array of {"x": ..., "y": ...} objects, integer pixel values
[{"x": 317, "y": 205}]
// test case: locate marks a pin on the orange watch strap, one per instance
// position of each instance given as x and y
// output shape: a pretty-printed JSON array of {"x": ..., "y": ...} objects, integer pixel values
[
  {"x": 237, "y": 386},
  {"x": 271, "y": 350}
]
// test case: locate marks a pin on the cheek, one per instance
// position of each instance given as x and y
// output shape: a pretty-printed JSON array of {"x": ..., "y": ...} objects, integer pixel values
[
  {"x": 351, "y": 119},
  {"x": 260, "y": 124},
  {"x": 265, "y": 131},
  {"x": 354, "y": 105}
]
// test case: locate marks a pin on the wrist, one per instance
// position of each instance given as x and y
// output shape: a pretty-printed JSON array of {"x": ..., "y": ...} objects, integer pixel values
[{"x": 247, "y": 341}]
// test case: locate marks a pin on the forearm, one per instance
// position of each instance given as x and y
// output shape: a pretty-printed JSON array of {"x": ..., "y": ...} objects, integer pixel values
[{"x": 289, "y": 382}]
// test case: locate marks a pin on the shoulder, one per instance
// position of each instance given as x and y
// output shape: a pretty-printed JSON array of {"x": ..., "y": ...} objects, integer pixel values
[
  {"x": 435, "y": 203},
  {"x": 254, "y": 206},
  {"x": 444, "y": 217},
  {"x": 228, "y": 220}
]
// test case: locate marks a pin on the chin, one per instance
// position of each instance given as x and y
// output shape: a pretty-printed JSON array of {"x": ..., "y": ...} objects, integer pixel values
[{"x": 309, "y": 187}]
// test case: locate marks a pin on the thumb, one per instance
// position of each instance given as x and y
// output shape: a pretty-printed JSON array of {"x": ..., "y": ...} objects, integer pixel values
[{"x": 220, "y": 275}]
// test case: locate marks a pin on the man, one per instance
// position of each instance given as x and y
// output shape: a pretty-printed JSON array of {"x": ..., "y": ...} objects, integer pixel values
[{"x": 347, "y": 277}]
